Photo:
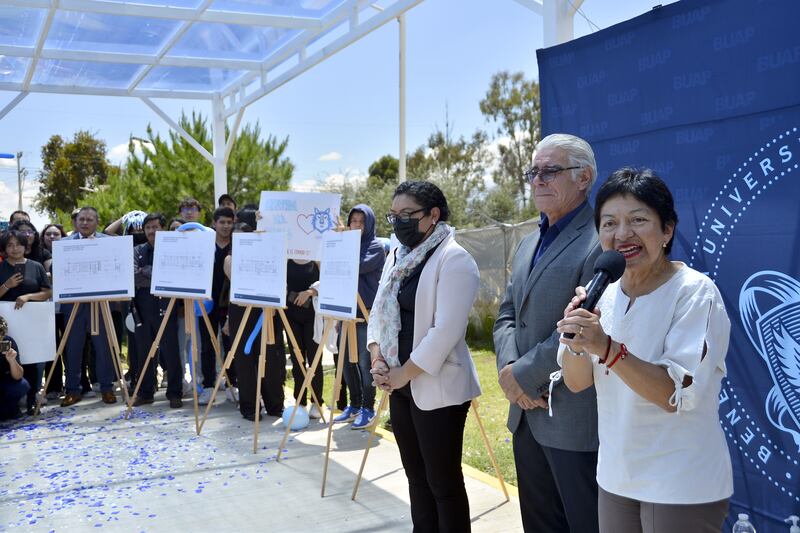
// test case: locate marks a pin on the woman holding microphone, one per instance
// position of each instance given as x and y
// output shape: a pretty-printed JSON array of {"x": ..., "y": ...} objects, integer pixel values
[
  {"x": 655, "y": 351},
  {"x": 416, "y": 342}
]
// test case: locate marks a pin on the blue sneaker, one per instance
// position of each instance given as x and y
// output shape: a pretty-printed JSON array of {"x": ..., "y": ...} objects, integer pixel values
[
  {"x": 364, "y": 420},
  {"x": 349, "y": 413}
]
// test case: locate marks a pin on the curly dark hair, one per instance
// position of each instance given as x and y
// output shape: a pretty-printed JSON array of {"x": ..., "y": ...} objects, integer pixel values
[
  {"x": 426, "y": 194},
  {"x": 647, "y": 187}
]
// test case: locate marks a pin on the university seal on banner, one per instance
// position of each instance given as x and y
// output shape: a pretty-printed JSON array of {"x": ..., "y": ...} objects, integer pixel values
[
  {"x": 775, "y": 334},
  {"x": 760, "y": 397}
]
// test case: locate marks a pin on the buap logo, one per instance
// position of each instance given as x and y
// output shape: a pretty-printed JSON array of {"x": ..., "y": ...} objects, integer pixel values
[{"x": 775, "y": 334}]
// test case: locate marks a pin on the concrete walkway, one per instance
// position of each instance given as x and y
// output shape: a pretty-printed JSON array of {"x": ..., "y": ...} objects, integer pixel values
[{"x": 86, "y": 468}]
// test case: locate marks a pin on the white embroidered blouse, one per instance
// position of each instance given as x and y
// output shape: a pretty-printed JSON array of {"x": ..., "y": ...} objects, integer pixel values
[{"x": 647, "y": 453}]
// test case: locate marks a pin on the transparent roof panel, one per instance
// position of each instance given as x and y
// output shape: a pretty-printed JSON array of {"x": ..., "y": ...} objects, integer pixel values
[
  {"x": 110, "y": 33},
  {"x": 230, "y": 41},
  {"x": 84, "y": 74},
  {"x": 13, "y": 69},
  {"x": 175, "y": 48},
  {"x": 189, "y": 79},
  {"x": 19, "y": 26},
  {"x": 299, "y": 8},
  {"x": 170, "y": 3}
]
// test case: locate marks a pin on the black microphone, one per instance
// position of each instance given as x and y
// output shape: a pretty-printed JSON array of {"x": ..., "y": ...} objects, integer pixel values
[{"x": 608, "y": 268}]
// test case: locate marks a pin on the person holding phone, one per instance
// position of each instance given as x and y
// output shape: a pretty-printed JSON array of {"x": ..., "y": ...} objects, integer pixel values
[
  {"x": 21, "y": 281},
  {"x": 13, "y": 385}
]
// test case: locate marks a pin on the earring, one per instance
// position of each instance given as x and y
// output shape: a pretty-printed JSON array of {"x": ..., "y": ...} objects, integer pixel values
[{"x": 664, "y": 245}]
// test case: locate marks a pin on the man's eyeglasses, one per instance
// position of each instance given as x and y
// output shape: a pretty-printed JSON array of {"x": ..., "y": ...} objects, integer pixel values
[
  {"x": 391, "y": 218},
  {"x": 546, "y": 174}
]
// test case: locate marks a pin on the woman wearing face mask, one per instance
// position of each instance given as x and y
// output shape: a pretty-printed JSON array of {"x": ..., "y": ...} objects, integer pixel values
[{"x": 426, "y": 366}]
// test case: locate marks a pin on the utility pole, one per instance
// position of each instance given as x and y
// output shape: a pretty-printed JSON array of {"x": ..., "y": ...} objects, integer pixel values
[{"x": 20, "y": 170}]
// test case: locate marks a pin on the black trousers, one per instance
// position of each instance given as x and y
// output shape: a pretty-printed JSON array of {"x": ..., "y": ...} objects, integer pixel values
[
  {"x": 302, "y": 323},
  {"x": 247, "y": 364},
  {"x": 430, "y": 444},
  {"x": 57, "y": 383},
  {"x": 208, "y": 360},
  {"x": 557, "y": 488},
  {"x": 167, "y": 347}
]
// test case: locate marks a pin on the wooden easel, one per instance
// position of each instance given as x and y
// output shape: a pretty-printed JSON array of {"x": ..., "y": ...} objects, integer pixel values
[
  {"x": 191, "y": 326},
  {"x": 347, "y": 338},
  {"x": 329, "y": 323},
  {"x": 267, "y": 338},
  {"x": 97, "y": 309},
  {"x": 474, "y": 408},
  {"x": 326, "y": 330}
]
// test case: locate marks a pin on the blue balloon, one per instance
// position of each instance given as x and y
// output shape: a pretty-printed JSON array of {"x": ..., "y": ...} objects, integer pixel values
[{"x": 300, "y": 419}]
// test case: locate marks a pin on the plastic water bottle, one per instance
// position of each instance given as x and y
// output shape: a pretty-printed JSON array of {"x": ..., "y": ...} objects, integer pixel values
[{"x": 743, "y": 525}]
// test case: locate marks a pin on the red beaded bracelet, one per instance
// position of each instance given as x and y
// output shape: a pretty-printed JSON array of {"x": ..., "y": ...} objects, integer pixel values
[
  {"x": 623, "y": 352},
  {"x": 608, "y": 349}
]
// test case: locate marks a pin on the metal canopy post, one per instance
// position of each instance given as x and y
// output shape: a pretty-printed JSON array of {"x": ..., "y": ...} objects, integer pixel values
[
  {"x": 401, "y": 170},
  {"x": 220, "y": 152}
]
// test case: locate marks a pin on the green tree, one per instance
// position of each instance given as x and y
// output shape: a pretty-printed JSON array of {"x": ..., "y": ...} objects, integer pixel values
[
  {"x": 384, "y": 170},
  {"x": 69, "y": 168},
  {"x": 170, "y": 169},
  {"x": 512, "y": 104}
]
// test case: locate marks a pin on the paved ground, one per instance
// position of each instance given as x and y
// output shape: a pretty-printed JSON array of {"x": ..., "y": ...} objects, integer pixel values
[{"x": 86, "y": 467}]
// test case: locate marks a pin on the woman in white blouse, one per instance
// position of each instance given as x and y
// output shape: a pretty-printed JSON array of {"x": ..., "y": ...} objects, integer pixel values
[{"x": 655, "y": 351}]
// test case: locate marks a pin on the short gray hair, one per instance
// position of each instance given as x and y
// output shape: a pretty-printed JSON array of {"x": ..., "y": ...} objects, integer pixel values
[{"x": 578, "y": 152}]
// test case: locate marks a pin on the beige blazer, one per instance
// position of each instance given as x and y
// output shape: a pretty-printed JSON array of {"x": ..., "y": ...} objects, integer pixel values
[{"x": 447, "y": 289}]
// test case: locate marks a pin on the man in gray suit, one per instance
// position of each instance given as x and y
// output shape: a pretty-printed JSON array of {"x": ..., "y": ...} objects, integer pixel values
[
  {"x": 86, "y": 224},
  {"x": 555, "y": 456}
]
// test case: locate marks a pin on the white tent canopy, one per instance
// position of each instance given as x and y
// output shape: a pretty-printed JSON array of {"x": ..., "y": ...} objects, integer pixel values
[{"x": 228, "y": 52}]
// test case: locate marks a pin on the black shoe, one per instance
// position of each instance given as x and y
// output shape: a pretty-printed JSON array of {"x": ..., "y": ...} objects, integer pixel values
[
  {"x": 175, "y": 403},
  {"x": 139, "y": 401},
  {"x": 249, "y": 416}
]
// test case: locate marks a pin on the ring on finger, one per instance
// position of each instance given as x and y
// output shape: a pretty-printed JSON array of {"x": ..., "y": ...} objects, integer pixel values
[{"x": 580, "y": 332}]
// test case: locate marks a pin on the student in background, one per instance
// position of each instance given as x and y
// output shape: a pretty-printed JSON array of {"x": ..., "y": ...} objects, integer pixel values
[{"x": 357, "y": 375}]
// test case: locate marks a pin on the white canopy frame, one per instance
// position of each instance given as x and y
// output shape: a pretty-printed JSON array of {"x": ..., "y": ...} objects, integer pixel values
[{"x": 252, "y": 79}]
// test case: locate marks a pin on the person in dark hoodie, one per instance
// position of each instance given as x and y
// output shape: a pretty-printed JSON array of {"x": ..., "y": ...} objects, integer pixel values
[{"x": 357, "y": 376}]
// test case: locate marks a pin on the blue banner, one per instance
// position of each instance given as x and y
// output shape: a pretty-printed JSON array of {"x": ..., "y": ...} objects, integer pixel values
[{"x": 707, "y": 93}]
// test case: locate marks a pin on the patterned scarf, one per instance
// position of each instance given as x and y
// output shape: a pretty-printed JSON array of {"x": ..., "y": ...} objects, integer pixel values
[{"x": 384, "y": 318}]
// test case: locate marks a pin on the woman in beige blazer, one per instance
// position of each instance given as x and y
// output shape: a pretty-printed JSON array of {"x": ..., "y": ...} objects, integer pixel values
[{"x": 416, "y": 341}]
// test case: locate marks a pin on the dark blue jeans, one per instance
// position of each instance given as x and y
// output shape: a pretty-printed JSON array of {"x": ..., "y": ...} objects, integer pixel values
[
  {"x": 74, "y": 351},
  {"x": 11, "y": 391},
  {"x": 357, "y": 376}
]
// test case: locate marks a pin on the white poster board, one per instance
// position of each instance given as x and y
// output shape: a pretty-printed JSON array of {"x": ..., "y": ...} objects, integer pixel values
[
  {"x": 183, "y": 264},
  {"x": 33, "y": 327},
  {"x": 258, "y": 269},
  {"x": 338, "y": 274},
  {"x": 305, "y": 217},
  {"x": 86, "y": 270}
]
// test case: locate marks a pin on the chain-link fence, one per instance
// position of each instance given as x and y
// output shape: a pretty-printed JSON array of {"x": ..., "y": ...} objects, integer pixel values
[{"x": 493, "y": 248}]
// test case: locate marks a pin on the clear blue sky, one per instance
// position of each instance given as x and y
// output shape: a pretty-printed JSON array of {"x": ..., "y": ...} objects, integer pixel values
[{"x": 345, "y": 107}]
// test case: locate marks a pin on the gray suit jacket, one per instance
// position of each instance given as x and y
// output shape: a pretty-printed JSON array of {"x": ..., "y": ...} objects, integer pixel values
[{"x": 525, "y": 333}]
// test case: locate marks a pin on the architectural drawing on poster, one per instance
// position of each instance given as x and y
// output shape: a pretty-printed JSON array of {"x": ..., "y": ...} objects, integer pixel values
[
  {"x": 92, "y": 269},
  {"x": 183, "y": 264}
]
